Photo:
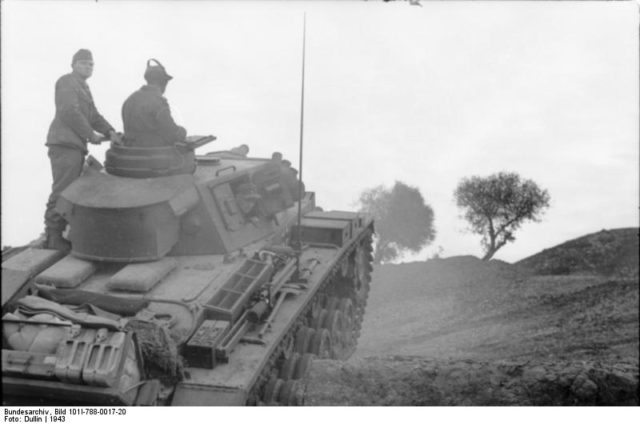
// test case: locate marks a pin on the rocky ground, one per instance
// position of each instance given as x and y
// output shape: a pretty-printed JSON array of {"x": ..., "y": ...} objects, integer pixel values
[{"x": 460, "y": 331}]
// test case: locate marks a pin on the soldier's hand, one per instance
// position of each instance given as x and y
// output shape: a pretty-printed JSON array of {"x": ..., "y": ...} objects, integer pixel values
[
  {"x": 95, "y": 138},
  {"x": 115, "y": 137}
]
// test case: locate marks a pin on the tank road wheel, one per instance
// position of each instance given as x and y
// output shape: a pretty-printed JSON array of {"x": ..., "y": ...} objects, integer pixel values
[
  {"x": 285, "y": 393},
  {"x": 320, "y": 300},
  {"x": 319, "y": 319},
  {"x": 253, "y": 400},
  {"x": 303, "y": 340},
  {"x": 348, "y": 313},
  {"x": 333, "y": 303},
  {"x": 303, "y": 366},
  {"x": 292, "y": 393},
  {"x": 289, "y": 366},
  {"x": 335, "y": 322},
  {"x": 272, "y": 391},
  {"x": 296, "y": 398},
  {"x": 349, "y": 338},
  {"x": 321, "y": 344},
  {"x": 335, "y": 325}
]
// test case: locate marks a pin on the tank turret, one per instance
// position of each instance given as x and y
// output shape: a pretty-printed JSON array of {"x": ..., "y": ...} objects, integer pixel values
[{"x": 230, "y": 202}]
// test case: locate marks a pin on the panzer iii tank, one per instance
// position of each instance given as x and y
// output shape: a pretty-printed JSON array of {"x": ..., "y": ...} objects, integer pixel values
[{"x": 184, "y": 288}]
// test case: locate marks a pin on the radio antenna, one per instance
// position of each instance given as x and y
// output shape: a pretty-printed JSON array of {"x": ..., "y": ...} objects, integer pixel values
[{"x": 300, "y": 193}]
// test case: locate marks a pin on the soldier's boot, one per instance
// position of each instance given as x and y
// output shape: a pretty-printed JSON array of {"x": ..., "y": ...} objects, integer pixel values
[{"x": 55, "y": 241}]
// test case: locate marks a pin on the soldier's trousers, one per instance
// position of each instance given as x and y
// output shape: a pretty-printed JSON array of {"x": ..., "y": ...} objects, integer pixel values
[{"x": 66, "y": 166}]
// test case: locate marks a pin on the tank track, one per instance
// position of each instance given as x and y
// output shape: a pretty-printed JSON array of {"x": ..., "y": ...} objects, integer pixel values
[{"x": 328, "y": 328}]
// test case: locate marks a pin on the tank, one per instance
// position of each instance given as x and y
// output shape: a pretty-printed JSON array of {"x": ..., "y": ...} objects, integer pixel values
[{"x": 184, "y": 287}]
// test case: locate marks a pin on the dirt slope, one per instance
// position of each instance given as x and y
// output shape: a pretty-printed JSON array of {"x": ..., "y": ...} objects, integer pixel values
[
  {"x": 418, "y": 381},
  {"x": 452, "y": 331},
  {"x": 607, "y": 252}
]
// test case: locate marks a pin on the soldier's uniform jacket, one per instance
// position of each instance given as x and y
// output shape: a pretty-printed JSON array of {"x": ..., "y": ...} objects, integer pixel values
[
  {"x": 76, "y": 115},
  {"x": 147, "y": 120}
]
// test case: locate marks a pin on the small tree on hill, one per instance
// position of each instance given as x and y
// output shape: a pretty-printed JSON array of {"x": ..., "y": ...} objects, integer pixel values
[
  {"x": 403, "y": 221},
  {"x": 497, "y": 205}
]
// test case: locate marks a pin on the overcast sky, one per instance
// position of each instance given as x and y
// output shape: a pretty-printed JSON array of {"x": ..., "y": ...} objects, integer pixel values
[{"x": 425, "y": 95}]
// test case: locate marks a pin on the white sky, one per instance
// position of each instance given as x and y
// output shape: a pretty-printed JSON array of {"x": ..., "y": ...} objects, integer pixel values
[{"x": 425, "y": 95}]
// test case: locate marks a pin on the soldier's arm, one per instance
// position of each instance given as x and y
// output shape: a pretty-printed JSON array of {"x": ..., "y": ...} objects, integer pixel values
[
  {"x": 167, "y": 125},
  {"x": 100, "y": 124},
  {"x": 68, "y": 106}
]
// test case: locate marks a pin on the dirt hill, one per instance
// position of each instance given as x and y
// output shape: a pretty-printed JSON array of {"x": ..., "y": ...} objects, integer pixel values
[
  {"x": 607, "y": 252},
  {"x": 459, "y": 330}
]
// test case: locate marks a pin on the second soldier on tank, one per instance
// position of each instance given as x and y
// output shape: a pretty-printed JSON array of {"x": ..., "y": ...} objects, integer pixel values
[{"x": 146, "y": 114}]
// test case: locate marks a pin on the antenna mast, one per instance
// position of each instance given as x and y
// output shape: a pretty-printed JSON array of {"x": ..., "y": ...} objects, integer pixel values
[{"x": 304, "y": 34}]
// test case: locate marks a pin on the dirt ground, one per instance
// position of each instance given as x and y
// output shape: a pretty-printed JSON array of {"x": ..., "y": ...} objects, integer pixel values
[{"x": 460, "y": 331}]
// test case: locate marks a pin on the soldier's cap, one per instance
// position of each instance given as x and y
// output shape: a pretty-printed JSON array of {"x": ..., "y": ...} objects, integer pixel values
[
  {"x": 82, "y": 54},
  {"x": 156, "y": 73}
]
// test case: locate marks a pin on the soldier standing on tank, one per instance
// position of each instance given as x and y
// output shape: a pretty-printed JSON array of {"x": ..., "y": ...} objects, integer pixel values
[
  {"x": 146, "y": 115},
  {"x": 75, "y": 124}
]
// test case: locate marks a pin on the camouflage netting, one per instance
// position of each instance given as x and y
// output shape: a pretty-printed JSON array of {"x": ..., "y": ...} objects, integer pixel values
[{"x": 159, "y": 351}]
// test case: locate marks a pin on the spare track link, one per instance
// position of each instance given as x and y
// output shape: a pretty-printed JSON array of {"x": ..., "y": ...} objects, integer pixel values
[{"x": 328, "y": 327}]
